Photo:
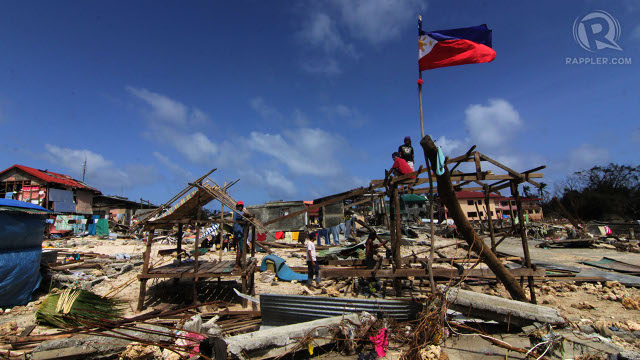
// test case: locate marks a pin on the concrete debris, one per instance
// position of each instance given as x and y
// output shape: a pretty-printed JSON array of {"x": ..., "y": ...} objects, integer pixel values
[
  {"x": 137, "y": 351},
  {"x": 489, "y": 307},
  {"x": 276, "y": 341}
]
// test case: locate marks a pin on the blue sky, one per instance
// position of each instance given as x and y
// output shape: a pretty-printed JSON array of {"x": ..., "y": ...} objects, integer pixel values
[{"x": 301, "y": 99}]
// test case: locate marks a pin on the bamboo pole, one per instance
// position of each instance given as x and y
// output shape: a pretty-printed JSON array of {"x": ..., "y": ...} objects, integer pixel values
[
  {"x": 525, "y": 244},
  {"x": 397, "y": 256},
  {"x": 490, "y": 218},
  {"x": 196, "y": 265},
  {"x": 221, "y": 227}
]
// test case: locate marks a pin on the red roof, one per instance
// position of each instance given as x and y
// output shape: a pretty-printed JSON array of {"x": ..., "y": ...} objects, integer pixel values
[
  {"x": 473, "y": 195},
  {"x": 504, "y": 198},
  {"x": 51, "y": 177}
]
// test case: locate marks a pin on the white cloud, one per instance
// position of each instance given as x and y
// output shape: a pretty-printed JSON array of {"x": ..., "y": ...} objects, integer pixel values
[
  {"x": 379, "y": 21},
  {"x": 275, "y": 183},
  {"x": 333, "y": 24},
  {"x": 196, "y": 146},
  {"x": 345, "y": 114},
  {"x": 323, "y": 66},
  {"x": 100, "y": 172},
  {"x": 169, "y": 121},
  {"x": 304, "y": 151},
  {"x": 275, "y": 180},
  {"x": 321, "y": 32},
  {"x": 586, "y": 156},
  {"x": 174, "y": 168},
  {"x": 491, "y": 126},
  {"x": 300, "y": 118},
  {"x": 450, "y": 147},
  {"x": 162, "y": 107},
  {"x": 265, "y": 110}
]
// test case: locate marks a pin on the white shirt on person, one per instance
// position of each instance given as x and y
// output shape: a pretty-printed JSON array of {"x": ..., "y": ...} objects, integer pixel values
[{"x": 311, "y": 248}]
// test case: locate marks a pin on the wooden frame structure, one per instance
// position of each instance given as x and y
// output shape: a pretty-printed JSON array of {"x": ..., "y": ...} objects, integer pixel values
[
  {"x": 449, "y": 182},
  {"x": 179, "y": 211}
]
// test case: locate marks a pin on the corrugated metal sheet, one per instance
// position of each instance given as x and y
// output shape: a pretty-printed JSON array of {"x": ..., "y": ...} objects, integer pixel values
[{"x": 292, "y": 309}]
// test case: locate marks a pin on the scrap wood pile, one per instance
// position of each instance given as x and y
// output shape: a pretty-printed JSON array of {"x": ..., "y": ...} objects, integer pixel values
[
  {"x": 83, "y": 317},
  {"x": 68, "y": 268}
]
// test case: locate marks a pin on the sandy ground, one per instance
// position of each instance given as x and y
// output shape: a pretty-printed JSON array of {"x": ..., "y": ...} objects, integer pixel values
[{"x": 584, "y": 304}]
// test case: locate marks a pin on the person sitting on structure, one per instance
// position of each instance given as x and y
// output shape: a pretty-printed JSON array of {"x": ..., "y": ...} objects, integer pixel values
[
  {"x": 406, "y": 152},
  {"x": 371, "y": 251},
  {"x": 400, "y": 166},
  {"x": 238, "y": 230}
]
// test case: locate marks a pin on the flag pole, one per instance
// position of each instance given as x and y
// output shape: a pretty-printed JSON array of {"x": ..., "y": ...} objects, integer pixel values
[
  {"x": 431, "y": 225},
  {"x": 420, "y": 82}
]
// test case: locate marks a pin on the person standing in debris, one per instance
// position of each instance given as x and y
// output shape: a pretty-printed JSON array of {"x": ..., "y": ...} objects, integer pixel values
[
  {"x": 238, "y": 230},
  {"x": 371, "y": 251},
  {"x": 406, "y": 152},
  {"x": 312, "y": 264},
  {"x": 400, "y": 166}
]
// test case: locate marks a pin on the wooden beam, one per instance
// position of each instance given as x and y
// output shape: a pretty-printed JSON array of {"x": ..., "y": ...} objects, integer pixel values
[
  {"x": 450, "y": 200},
  {"x": 476, "y": 159},
  {"x": 402, "y": 273},
  {"x": 509, "y": 170}
]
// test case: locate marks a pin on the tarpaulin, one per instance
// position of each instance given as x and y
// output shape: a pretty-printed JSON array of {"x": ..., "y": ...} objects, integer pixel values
[
  {"x": 102, "y": 227},
  {"x": 19, "y": 275},
  {"x": 20, "y": 231},
  {"x": 62, "y": 200}
]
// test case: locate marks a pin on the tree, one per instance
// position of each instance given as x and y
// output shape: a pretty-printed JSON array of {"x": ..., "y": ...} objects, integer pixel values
[
  {"x": 542, "y": 190},
  {"x": 603, "y": 192},
  {"x": 526, "y": 189}
]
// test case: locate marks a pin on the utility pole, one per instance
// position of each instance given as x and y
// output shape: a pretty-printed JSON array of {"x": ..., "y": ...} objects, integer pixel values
[{"x": 84, "y": 168}]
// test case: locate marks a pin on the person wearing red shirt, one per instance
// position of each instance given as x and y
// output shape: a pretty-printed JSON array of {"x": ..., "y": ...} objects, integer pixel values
[{"x": 400, "y": 166}]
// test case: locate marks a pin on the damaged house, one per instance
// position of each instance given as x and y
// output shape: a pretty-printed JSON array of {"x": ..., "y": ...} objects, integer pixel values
[{"x": 53, "y": 191}]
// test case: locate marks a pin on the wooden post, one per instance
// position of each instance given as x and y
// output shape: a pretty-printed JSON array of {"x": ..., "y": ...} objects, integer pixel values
[
  {"x": 145, "y": 269},
  {"x": 489, "y": 217},
  {"x": 525, "y": 244},
  {"x": 196, "y": 264},
  {"x": 221, "y": 227},
  {"x": 513, "y": 216},
  {"x": 475, "y": 202},
  {"x": 432, "y": 282},
  {"x": 450, "y": 200},
  {"x": 244, "y": 276},
  {"x": 395, "y": 249},
  {"x": 179, "y": 241},
  {"x": 253, "y": 241}
]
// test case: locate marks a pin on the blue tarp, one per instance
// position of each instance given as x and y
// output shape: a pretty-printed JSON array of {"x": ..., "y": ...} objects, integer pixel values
[
  {"x": 62, "y": 200},
  {"x": 19, "y": 275},
  {"x": 283, "y": 271},
  {"x": 21, "y": 236},
  {"x": 91, "y": 226},
  {"x": 21, "y": 204},
  {"x": 20, "y": 231}
]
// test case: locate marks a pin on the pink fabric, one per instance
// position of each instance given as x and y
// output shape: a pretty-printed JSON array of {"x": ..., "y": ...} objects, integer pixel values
[
  {"x": 380, "y": 342},
  {"x": 194, "y": 340}
]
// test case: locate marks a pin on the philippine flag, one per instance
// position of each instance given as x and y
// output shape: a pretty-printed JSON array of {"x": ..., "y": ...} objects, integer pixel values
[{"x": 471, "y": 45}]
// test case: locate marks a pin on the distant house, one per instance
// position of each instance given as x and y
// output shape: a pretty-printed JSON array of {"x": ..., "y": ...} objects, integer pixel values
[
  {"x": 530, "y": 207},
  {"x": 473, "y": 205},
  {"x": 57, "y": 192},
  {"x": 412, "y": 205},
  {"x": 276, "y": 209},
  {"x": 119, "y": 209}
]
